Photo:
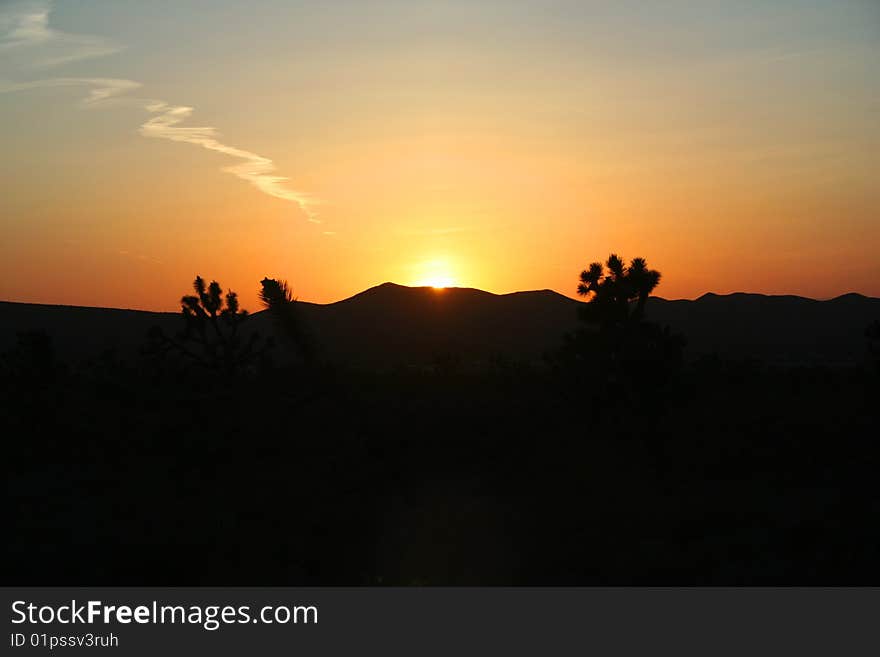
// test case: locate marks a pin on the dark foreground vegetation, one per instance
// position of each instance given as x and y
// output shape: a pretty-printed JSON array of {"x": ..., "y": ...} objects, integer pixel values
[{"x": 614, "y": 461}]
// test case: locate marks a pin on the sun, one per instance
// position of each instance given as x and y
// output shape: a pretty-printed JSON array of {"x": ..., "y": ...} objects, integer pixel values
[
  {"x": 435, "y": 273},
  {"x": 438, "y": 282}
]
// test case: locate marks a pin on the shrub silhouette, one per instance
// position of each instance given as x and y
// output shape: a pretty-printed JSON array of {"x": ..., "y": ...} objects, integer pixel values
[
  {"x": 33, "y": 358},
  {"x": 212, "y": 336},
  {"x": 31, "y": 367},
  {"x": 32, "y": 386}
]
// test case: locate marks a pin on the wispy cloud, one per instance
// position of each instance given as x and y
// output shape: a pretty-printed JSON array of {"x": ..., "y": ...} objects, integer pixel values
[
  {"x": 101, "y": 89},
  {"x": 25, "y": 26}
]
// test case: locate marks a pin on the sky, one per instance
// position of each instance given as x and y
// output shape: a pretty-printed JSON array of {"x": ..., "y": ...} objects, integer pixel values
[{"x": 501, "y": 145}]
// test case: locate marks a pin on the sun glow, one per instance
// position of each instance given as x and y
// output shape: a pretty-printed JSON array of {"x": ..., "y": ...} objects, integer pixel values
[
  {"x": 435, "y": 273},
  {"x": 438, "y": 283}
]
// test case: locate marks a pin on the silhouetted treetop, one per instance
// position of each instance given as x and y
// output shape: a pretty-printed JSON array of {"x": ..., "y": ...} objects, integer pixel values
[
  {"x": 620, "y": 358},
  {"x": 211, "y": 335},
  {"x": 275, "y": 293},
  {"x": 611, "y": 292},
  {"x": 208, "y": 303},
  {"x": 278, "y": 298}
]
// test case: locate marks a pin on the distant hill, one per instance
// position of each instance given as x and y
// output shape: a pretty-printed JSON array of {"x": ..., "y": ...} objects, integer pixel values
[
  {"x": 391, "y": 325},
  {"x": 780, "y": 329},
  {"x": 80, "y": 333}
]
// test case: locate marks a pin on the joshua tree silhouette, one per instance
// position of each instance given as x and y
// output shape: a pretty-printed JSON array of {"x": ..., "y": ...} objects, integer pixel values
[
  {"x": 211, "y": 337},
  {"x": 278, "y": 298},
  {"x": 619, "y": 355},
  {"x": 612, "y": 293}
]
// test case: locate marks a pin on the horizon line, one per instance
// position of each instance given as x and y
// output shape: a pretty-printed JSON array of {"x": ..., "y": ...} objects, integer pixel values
[{"x": 440, "y": 290}]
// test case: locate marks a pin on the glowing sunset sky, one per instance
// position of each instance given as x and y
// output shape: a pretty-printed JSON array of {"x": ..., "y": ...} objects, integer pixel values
[{"x": 495, "y": 144}]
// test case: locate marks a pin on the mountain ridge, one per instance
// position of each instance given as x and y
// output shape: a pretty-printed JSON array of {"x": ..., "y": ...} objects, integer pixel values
[
  {"x": 399, "y": 286},
  {"x": 390, "y": 324}
]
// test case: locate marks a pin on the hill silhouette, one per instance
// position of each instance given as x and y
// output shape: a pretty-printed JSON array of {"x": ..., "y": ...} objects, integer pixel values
[
  {"x": 396, "y": 325},
  {"x": 773, "y": 328},
  {"x": 393, "y": 325}
]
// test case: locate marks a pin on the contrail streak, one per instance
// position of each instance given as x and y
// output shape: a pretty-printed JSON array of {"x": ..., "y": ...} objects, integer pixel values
[{"x": 255, "y": 169}]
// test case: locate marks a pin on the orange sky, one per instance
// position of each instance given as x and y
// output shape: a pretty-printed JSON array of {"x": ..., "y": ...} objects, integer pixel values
[{"x": 502, "y": 147}]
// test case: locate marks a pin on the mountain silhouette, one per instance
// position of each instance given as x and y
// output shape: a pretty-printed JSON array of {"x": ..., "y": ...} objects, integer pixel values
[
  {"x": 393, "y": 325},
  {"x": 396, "y": 325}
]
